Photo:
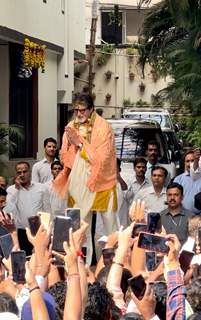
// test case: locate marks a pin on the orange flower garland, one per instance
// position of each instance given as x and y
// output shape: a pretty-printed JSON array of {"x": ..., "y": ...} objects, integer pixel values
[{"x": 34, "y": 55}]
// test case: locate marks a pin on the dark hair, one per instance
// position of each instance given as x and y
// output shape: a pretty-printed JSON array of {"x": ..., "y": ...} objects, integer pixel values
[
  {"x": 58, "y": 291},
  {"x": 49, "y": 140},
  {"x": 193, "y": 291},
  {"x": 131, "y": 316},
  {"x": 159, "y": 168},
  {"x": 84, "y": 99},
  {"x": 153, "y": 143},
  {"x": 8, "y": 304},
  {"x": 139, "y": 160},
  {"x": 99, "y": 304},
  {"x": 22, "y": 162},
  {"x": 187, "y": 153},
  {"x": 3, "y": 192},
  {"x": 56, "y": 163},
  {"x": 172, "y": 185}
]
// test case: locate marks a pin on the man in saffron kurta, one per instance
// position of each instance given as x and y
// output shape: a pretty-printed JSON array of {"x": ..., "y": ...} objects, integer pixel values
[{"x": 89, "y": 176}]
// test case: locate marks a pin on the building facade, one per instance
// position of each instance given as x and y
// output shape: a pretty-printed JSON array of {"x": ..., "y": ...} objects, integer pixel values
[{"x": 37, "y": 101}]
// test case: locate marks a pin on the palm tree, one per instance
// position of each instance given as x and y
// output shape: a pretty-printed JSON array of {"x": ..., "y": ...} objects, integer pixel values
[{"x": 171, "y": 43}]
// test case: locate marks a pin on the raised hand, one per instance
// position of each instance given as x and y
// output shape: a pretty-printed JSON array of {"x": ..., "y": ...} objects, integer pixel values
[{"x": 136, "y": 212}]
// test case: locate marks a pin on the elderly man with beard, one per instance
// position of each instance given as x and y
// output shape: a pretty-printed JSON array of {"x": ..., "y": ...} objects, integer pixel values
[
  {"x": 175, "y": 218},
  {"x": 88, "y": 179}
]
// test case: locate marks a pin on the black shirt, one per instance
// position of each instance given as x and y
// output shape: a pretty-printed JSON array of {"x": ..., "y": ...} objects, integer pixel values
[{"x": 177, "y": 224}]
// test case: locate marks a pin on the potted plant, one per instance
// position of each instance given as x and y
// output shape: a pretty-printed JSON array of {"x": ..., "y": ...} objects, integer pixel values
[
  {"x": 131, "y": 76},
  {"x": 108, "y": 75},
  {"x": 130, "y": 53},
  {"x": 108, "y": 97},
  {"x": 142, "y": 87}
]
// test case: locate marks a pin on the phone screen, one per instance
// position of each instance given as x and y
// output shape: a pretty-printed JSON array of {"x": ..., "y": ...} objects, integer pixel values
[
  {"x": 153, "y": 222},
  {"x": 138, "y": 286},
  {"x": 108, "y": 255},
  {"x": 152, "y": 242},
  {"x": 6, "y": 244},
  {"x": 18, "y": 259},
  {"x": 61, "y": 232},
  {"x": 185, "y": 260},
  {"x": 34, "y": 224},
  {"x": 150, "y": 260},
  {"x": 138, "y": 227},
  {"x": 74, "y": 214}
]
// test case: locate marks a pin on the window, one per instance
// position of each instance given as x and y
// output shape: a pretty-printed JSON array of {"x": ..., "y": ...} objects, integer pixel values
[
  {"x": 23, "y": 108},
  {"x": 109, "y": 33}
]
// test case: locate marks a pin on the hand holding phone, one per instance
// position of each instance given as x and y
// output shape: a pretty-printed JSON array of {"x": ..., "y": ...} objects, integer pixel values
[
  {"x": 152, "y": 242},
  {"x": 18, "y": 259},
  {"x": 138, "y": 286},
  {"x": 74, "y": 214},
  {"x": 62, "y": 226},
  {"x": 138, "y": 227},
  {"x": 154, "y": 222},
  {"x": 34, "y": 224}
]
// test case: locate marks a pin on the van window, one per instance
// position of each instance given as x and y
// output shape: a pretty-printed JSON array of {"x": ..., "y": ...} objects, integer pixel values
[{"x": 132, "y": 143}]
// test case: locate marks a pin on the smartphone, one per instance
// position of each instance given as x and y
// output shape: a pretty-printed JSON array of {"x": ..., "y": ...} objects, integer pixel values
[
  {"x": 138, "y": 227},
  {"x": 62, "y": 226},
  {"x": 45, "y": 218},
  {"x": 153, "y": 222},
  {"x": 108, "y": 255},
  {"x": 84, "y": 251},
  {"x": 185, "y": 259},
  {"x": 74, "y": 214},
  {"x": 6, "y": 244},
  {"x": 150, "y": 260},
  {"x": 138, "y": 286},
  {"x": 34, "y": 224},
  {"x": 18, "y": 259},
  {"x": 152, "y": 242}
]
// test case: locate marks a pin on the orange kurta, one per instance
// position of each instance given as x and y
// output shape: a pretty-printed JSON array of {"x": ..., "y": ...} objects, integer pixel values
[{"x": 101, "y": 154}]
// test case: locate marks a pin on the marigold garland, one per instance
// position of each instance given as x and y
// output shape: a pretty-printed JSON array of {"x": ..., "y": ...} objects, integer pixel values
[{"x": 34, "y": 55}]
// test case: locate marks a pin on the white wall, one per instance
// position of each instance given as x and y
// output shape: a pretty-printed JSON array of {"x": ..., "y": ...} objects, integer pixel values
[
  {"x": 121, "y": 88},
  {"x": 35, "y": 18}
]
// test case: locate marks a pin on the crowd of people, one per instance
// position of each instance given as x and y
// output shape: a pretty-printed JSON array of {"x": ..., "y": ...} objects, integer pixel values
[{"x": 118, "y": 276}]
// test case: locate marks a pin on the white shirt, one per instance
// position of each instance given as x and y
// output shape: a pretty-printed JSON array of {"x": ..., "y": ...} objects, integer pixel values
[
  {"x": 134, "y": 187},
  {"x": 56, "y": 203},
  {"x": 24, "y": 203},
  {"x": 153, "y": 202},
  {"x": 148, "y": 172},
  {"x": 41, "y": 171}
]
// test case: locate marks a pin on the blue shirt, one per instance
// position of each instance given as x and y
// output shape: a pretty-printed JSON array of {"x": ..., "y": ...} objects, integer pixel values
[{"x": 191, "y": 188}]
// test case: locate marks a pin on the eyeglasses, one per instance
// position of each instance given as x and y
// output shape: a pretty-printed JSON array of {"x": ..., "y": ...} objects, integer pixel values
[{"x": 82, "y": 111}]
